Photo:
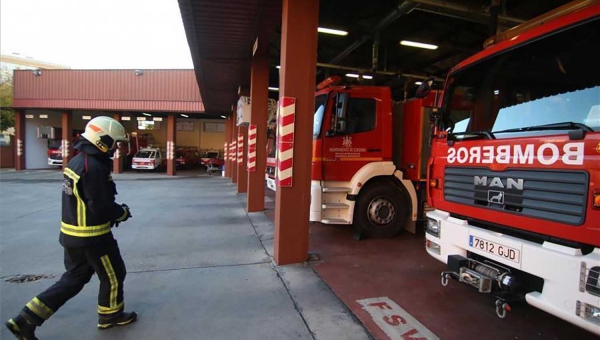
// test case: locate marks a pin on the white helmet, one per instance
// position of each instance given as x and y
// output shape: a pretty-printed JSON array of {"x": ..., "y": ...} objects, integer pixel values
[{"x": 104, "y": 133}]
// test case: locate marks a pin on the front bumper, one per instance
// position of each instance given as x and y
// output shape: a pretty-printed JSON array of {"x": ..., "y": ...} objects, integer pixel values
[
  {"x": 143, "y": 167},
  {"x": 559, "y": 266},
  {"x": 55, "y": 161}
]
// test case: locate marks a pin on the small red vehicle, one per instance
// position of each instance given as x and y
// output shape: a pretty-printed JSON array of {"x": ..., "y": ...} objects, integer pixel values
[{"x": 187, "y": 157}]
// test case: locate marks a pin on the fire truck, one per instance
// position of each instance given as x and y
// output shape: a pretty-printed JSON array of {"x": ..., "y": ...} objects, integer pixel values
[
  {"x": 54, "y": 151},
  {"x": 514, "y": 172},
  {"x": 369, "y": 158},
  {"x": 137, "y": 141}
]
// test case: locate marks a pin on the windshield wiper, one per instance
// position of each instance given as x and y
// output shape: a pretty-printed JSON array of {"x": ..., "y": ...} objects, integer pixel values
[
  {"x": 487, "y": 134},
  {"x": 555, "y": 126},
  {"x": 452, "y": 136}
]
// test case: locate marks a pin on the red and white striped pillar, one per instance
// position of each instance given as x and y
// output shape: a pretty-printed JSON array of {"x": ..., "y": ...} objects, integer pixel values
[
  {"x": 297, "y": 79},
  {"x": 241, "y": 159},
  {"x": 285, "y": 141},
  {"x": 226, "y": 151},
  {"x": 252, "y": 148},
  {"x": 259, "y": 100},
  {"x": 233, "y": 158},
  {"x": 19, "y": 140}
]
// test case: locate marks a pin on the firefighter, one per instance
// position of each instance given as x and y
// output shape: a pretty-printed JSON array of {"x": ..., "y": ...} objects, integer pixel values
[{"x": 89, "y": 211}]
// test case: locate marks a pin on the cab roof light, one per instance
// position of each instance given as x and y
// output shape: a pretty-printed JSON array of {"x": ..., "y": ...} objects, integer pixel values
[{"x": 331, "y": 81}]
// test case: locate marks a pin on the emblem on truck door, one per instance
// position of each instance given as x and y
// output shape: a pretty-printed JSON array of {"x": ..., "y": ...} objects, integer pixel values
[{"x": 347, "y": 142}]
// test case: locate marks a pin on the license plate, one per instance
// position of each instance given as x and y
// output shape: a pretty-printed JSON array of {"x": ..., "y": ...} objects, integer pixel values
[{"x": 495, "y": 248}]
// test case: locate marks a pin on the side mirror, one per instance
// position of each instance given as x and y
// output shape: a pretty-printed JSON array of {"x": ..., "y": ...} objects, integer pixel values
[{"x": 425, "y": 88}]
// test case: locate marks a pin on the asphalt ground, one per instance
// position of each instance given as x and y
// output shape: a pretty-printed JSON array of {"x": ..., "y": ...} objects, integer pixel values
[{"x": 199, "y": 266}]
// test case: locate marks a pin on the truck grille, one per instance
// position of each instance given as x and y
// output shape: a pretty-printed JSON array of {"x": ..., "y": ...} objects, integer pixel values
[
  {"x": 56, "y": 156},
  {"x": 558, "y": 196}
]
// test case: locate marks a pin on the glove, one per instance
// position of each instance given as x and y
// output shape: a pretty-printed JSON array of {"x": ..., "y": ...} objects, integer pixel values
[{"x": 126, "y": 215}]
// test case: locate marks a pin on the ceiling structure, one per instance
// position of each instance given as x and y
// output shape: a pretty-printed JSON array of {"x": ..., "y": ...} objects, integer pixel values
[{"x": 221, "y": 36}]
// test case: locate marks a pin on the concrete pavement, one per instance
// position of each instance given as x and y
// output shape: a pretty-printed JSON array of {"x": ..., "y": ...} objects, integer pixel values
[{"x": 199, "y": 266}]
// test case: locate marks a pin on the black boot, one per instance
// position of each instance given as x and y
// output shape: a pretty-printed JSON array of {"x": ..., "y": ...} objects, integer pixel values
[
  {"x": 22, "y": 328},
  {"x": 120, "y": 319}
]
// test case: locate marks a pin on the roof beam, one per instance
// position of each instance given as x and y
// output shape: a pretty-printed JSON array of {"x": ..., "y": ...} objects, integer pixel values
[
  {"x": 462, "y": 12},
  {"x": 403, "y": 8}
]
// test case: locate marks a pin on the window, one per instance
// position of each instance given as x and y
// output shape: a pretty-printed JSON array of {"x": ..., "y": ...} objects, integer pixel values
[
  {"x": 320, "y": 102},
  {"x": 360, "y": 115},
  {"x": 539, "y": 88},
  {"x": 148, "y": 125},
  {"x": 144, "y": 154}
]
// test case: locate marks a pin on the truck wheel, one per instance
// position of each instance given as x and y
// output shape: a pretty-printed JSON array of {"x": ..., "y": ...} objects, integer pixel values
[{"x": 381, "y": 211}]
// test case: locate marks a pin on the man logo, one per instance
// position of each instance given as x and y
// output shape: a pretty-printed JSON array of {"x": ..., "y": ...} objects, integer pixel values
[{"x": 495, "y": 196}]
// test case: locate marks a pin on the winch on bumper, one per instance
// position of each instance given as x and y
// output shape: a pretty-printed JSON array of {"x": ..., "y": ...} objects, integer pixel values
[{"x": 557, "y": 279}]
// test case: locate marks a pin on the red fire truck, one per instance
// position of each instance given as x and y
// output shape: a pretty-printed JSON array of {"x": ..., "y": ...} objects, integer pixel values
[
  {"x": 514, "y": 174},
  {"x": 54, "y": 151},
  {"x": 369, "y": 158}
]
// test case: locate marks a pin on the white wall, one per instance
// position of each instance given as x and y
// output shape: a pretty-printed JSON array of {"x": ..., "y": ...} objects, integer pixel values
[{"x": 36, "y": 148}]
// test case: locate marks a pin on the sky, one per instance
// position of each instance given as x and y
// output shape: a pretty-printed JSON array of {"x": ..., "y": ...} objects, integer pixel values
[{"x": 91, "y": 34}]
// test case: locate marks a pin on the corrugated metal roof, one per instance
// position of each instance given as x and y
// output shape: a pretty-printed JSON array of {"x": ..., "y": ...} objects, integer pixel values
[
  {"x": 221, "y": 35},
  {"x": 150, "y": 90}
]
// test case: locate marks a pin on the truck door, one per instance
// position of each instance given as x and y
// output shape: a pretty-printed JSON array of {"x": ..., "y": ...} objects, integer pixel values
[{"x": 353, "y": 136}]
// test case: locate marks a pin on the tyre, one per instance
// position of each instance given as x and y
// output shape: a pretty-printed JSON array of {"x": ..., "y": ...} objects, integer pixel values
[{"x": 382, "y": 210}]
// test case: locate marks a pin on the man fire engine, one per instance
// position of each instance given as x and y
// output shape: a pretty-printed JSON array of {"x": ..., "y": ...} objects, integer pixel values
[
  {"x": 369, "y": 158},
  {"x": 514, "y": 174}
]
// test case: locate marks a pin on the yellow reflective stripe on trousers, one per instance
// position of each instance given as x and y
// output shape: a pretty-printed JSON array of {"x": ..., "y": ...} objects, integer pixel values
[
  {"x": 81, "y": 217},
  {"x": 39, "y": 308},
  {"x": 112, "y": 278},
  {"x": 108, "y": 310},
  {"x": 87, "y": 231}
]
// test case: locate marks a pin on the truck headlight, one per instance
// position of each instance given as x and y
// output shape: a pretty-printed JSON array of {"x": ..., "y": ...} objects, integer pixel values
[{"x": 433, "y": 227}]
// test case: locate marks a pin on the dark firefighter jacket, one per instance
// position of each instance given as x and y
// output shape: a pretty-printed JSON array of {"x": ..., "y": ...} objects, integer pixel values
[{"x": 88, "y": 198}]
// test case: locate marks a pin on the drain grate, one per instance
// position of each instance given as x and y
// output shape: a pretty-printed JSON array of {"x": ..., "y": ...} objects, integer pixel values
[{"x": 28, "y": 278}]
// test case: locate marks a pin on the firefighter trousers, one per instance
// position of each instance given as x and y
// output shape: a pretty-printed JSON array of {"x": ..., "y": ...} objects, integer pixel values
[{"x": 105, "y": 260}]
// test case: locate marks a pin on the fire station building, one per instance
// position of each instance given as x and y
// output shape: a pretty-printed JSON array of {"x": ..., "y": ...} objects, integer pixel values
[{"x": 162, "y": 107}]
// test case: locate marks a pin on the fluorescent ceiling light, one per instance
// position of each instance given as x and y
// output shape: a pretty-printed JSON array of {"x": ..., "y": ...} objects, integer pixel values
[
  {"x": 331, "y": 31},
  {"x": 273, "y": 88},
  {"x": 418, "y": 82},
  {"x": 354, "y": 75},
  {"x": 186, "y": 116},
  {"x": 278, "y": 66},
  {"x": 146, "y": 114},
  {"x": 223, "y": 117},
  {"x": 418, "y": 44}
]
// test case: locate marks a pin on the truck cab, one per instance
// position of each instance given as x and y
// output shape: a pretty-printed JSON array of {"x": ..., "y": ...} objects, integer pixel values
[
  {"x": 514, "y": 176},
  {"x": 369, "y": 158}
]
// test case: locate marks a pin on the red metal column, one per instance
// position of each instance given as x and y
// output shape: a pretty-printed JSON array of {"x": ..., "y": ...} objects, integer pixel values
[
  {"x": 170, "y": 152},
  {"x": 228, "y": 128},
  {"x": 259, "y": 97},
  {"x": 241, "y": 168},
  {"x": 19, "y": 140},
  {"x": 67, "y": 133},
  {"x": 233, "y": 142},
  {"x": 297, "y": 79},
  {"x": 118, "y": 159}
]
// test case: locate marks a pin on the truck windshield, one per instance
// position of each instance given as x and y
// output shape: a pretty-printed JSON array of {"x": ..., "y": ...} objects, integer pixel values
[
  {"x": 320, "y": 103},
  {"x": 144, "y": 154},
  {"x": 543, "y": 87}
]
